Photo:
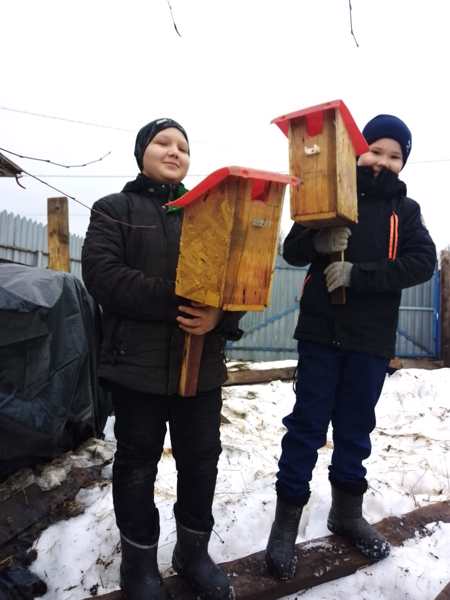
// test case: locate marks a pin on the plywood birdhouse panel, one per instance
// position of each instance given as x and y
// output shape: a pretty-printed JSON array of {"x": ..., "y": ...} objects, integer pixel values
[
  {"x": 253, "y": 248},
  {"x": 324, "y": 142},
  {"x": 205, "y": 245},
  {"x": 229, "y": 238},
  {"x": 346, "y": 192}
]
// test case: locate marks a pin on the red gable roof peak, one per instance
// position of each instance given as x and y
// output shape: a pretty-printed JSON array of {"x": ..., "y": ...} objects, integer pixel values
[
  {"x": 314, "y": 115},
  {"x": 260, "y": 181}
]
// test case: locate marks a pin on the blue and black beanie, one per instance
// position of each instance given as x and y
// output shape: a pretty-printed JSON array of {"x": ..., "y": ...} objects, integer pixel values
[
  {"x": 388, "y": 126},
  {"x": 148, "y": 132}
]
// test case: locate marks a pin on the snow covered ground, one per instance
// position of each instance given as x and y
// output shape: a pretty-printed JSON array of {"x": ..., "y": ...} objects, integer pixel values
[{"x": 409, "y": 467}]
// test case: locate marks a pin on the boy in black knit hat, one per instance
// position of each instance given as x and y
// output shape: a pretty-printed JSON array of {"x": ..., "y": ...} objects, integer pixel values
[
  {"x": 129, "y": 262},
  {"x": 344, "y": 350}
]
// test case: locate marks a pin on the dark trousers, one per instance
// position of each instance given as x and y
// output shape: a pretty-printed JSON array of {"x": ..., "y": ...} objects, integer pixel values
[
  {"x": 337, "y": 386},
  {"x": 140, "y": 428}
]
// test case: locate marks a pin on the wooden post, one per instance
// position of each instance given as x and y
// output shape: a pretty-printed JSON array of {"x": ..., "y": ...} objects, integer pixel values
[
  {"x": 190, "y": 367},
  {"x": 58, "y": 234},
  {"x": 445, "y": 307},
  {"x": 338, "y": 296}
]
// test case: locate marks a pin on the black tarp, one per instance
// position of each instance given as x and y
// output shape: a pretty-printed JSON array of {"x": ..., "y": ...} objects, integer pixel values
[{"x": 49, "y": 397}]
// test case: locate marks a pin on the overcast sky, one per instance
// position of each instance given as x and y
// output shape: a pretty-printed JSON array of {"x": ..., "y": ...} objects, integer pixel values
[{"x": 237, "y": 65}]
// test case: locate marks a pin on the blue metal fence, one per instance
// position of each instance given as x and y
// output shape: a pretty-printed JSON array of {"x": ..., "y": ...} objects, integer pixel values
[{"x": 268, "y": 335}]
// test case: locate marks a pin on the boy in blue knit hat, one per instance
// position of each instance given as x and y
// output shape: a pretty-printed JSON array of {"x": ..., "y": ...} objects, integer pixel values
[{"x": 344, "y": 350}]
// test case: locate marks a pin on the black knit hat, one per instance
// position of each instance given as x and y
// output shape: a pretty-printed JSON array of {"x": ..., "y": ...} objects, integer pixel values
[
  {"x": 388, "y": 126},
  {"x": 148, "y": 132}
]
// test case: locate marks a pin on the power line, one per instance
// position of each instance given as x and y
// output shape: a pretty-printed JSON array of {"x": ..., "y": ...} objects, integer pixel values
[
  {"x": 93, "y": 210},
  {"x": 68, "y": 120},
  {"x": 52, "y": 162},
  {"x": 77, "y": 121},
  {"x": 431, "y": 160}
]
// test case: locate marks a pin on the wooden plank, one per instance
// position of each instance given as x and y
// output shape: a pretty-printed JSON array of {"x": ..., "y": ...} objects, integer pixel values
[
  {"x": 32, "y": 509},
  {"x": 190, "y": 365},
  {"x": 317, "y": 221},
  {"x": 252, "y": 376},
  {"x": 313, "y": 160},
  {"x": 445, "y": 307},
  {"x": 58, "y": 234},
  {"x": 338, "y": 296},
  {"x": 444, "y": 594},
  {"x": 320, "y": 560},
  {"x": 244, "y": 307},
  {"x": 246, "y": 376}
]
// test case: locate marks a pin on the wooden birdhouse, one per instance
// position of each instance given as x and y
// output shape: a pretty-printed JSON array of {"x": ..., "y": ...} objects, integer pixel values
[
  {"x": 229, "y": 238},
  {"x": 324, "y": 142},
  {"x": 228, "y": 247}
]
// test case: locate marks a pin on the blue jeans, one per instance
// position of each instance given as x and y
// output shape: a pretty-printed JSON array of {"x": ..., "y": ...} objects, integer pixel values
[{"x": 337, "y": 386}]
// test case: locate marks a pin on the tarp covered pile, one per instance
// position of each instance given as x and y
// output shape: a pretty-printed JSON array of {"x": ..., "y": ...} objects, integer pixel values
[{"x": 49, "y": 398}]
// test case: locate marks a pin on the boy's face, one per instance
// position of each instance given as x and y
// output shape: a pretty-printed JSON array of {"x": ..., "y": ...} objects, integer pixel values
[
  {"x": 166, "y": 158},
  {"x": 384, "y": 153}
]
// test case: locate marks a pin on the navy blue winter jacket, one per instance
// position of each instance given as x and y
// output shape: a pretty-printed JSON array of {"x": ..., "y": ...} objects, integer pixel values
[{"x": 390, "y": 249}]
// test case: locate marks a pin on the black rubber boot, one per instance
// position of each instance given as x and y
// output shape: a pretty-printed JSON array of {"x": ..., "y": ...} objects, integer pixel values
[
  {"x": 345, "y": 518},
  {"x": 192, "y": 561},
  {"x": 139, "y": 575},
  {"x": 281, "y": 557}
]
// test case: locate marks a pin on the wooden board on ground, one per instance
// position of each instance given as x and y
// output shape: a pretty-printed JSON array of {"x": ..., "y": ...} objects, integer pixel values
[
  {"x": 244, "y": 375},
  {"x": 444, "y": 594},
  {"x": 248, "y": 376},
  {"x": 320, "y": 560}
]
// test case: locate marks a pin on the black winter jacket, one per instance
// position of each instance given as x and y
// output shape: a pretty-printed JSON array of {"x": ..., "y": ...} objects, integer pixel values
[
  {"x": 130, "y": 271},
  {"x": 368, "y": 320}
]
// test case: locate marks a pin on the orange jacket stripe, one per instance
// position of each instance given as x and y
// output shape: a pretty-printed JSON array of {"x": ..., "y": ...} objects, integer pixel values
[
  {"x": 395, "y": 245},
  {"x": 391, "y": 236}
]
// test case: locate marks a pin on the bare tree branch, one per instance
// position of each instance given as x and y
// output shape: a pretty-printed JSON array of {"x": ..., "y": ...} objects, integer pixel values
[
  {"x": 351, "y": 22},
  {"x": 173, "y": 20}
]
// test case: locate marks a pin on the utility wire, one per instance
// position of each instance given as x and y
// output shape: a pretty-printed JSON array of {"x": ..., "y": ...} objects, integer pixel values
[
  {"x": 104, "y": 215},
  {"x": 77, "y": 121},
  {"x": 51, "y": 162}
]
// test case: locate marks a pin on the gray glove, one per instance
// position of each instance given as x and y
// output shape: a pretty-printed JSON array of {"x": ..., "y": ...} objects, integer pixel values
[
  {"x": 332, "y": 239},
  {"x": 338, "y": 274}
]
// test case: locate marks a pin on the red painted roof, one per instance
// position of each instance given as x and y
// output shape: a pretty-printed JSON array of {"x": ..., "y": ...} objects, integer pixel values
[
  {"x": 260, "y": 178},
  {"x": 316, "y": 112}
]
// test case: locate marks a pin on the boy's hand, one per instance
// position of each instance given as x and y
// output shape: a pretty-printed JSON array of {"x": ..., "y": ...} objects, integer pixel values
[
  {"x": 202, "y": 318},
  {"x": 333, "y": 239},
  {"x": 338, "y": 274}
]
